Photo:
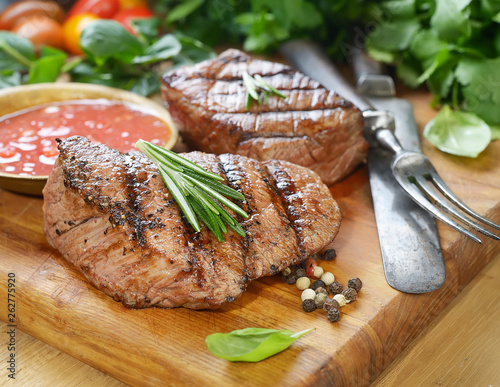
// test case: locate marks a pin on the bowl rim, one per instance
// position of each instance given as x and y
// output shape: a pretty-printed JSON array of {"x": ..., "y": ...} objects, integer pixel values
[{"x": 110, "y": 93}]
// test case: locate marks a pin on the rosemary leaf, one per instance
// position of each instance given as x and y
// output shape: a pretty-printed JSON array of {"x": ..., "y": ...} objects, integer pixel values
[{"x": 257, "y": 82}]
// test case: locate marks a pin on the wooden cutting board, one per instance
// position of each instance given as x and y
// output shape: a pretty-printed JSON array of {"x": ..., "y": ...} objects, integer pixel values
[{"x": 55, "y": 304}]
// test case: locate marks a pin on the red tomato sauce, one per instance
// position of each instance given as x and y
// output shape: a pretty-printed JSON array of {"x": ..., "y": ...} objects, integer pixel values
[{"x": 27, "y": 137}]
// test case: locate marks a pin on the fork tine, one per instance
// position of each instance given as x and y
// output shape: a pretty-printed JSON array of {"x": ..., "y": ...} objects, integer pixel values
[
  {"x": 424, "y": 185},
  {"x": 443, "y": 188},
  {"x": 423, "y": 202}
]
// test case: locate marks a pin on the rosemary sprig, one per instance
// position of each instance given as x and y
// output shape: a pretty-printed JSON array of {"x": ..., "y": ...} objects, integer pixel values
[
  {"x": 198, "y": 192},
  {"x": 252, "y": 84}
]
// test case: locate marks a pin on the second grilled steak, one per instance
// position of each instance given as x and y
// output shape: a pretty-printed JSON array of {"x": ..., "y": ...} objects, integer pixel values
[
  {"x": 312, "y": 127},
  {"x": 111, "y": 216}
]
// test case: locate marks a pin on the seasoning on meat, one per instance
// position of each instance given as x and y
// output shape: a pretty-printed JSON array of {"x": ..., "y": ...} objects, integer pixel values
[
  {"x": 312, "y": 127},
  {"x": 111, "y": 215}
]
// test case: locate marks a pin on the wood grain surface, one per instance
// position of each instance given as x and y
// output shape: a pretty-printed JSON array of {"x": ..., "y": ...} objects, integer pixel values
[{"x": 150, "y": 347}]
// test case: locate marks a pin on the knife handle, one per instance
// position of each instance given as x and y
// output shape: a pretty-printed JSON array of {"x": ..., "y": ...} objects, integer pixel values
[{"x": 309, "y": 58}]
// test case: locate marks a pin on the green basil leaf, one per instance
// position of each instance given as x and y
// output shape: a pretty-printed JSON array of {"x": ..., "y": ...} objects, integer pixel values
[
  {"x": 183, "y": 10},
  {"x": 251, "y": 344},
  {"x": 193, "y": 51},
  {"x": 16, "y": 52},
  {"x": 147, "y": 84},
  {"x": 148, "y": 28},
  {"x": 104, "y": 39},
  {"x": 9, "y": 79},
  {"x": 458, "y": 133},
  {"x": 48, "y": 67},
  {"x": 164, "y": 48}
]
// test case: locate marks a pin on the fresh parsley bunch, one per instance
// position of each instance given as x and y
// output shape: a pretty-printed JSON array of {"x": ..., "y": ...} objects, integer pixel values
[{"x": 453, "y": 47}]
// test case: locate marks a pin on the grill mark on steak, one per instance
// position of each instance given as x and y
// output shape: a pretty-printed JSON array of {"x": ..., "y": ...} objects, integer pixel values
[
  {"x": 136, "y": 246},
  {"x": 208, "y": 103}
]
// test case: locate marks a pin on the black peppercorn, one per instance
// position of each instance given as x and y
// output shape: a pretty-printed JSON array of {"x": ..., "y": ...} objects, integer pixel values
[
  {"x": 331, "y": 303},
  {"x": 336, "y": 287},
  {"x": 333, "y": 314},
  {"x": 355, "y": 283},
  {"x": 308, "y": 305},
  {"x": 329, "y": 255},
  {"x": 318, "y": 284},
  {"x": 290, "y": 280},
  {"x": 350, "y": 294},
  {"x": 300, "y": 273}
]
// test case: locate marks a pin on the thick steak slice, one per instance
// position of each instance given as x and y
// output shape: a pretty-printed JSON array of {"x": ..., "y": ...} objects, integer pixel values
[
  {"x": 111, "y": 215},
  {"x": 312, "y": 127}
]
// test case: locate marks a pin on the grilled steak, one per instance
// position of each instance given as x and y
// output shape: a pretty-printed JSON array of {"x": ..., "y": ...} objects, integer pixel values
[
  {"x": 312, "y": 127},
  {"x": 111, "y": 215}
]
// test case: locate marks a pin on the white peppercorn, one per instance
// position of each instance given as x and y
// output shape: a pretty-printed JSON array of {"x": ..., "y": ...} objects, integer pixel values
[
  {"x": 340, "y": 298},
  {"x": 308, "y": 293},
  {"x": 303, "y": 283},
  {"x": 327, "y": 278},
  {"x": 320, "y": 299},
  {"x": 318, "y": 271},
  {"x": 321, "y": 290}
]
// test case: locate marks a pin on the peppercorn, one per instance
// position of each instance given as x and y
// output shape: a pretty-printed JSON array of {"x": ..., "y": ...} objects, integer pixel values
[
  {"x": 318, "y": 284},
  {"x": 320, "y": 299},
  {"x": 286, "y": 271},
  {"x": 290, "y": 280},
  {"x": 303, "y": 283},
  {"x": 350, "y": 294},
  {"x": 308, "y": 293},
  {"x": 336, "y": 287},
  {"x": 327, "y": 278},
  {"x": 299, "y": 273},
  {"x": 318, "y": 271},
  {"x": 340, "y": 298},
  {"x": 329, "y": 255},
  {"x": 333, "y": 314},
  {"x": 321, "y": 291},
  {"x": 331, "y": 303},
  {"x": 308, "y": 305},
  {"x": 355, "y": 283}
]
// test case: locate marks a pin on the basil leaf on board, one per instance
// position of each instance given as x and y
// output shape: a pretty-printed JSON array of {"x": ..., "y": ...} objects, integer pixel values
[
  {"x": 104, "y": 39},
  {"x": 458, "y": 133},
  {"x": 164, "y": 48},
  {"x": 48, "y": 67},
  {"x": 251, "y": 344}
]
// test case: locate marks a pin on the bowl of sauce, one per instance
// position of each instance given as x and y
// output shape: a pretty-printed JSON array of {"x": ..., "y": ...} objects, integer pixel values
[{"x": 33, "y": 116}]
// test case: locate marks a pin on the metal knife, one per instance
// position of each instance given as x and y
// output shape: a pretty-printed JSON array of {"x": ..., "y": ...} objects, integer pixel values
[{"x": 411, "y": 251}]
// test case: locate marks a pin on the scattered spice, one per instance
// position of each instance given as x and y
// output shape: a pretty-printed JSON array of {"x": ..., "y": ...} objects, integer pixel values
[
  {"x": 318, "y": 284},
  {"x": 290, "y": 280},
  {"x": 286, "y": 271},
  {"x": 303, "y": 283},
  {"x": 333, "y": 314},
  {"x": 308, "y": 305},
  {"x": 299, "y": 273},
  {"x": 350, "y": 294},
  {"x": 327, "y": 278},
  {"x": 320, "y": 299},
  {"x": 331, "y": 303},
  {"x": 318, "y": 271},
  {"x": 355, "y": 283},
  {"x": 340, "y": 298},
  {"x": 321, "y": 291},
  {"x": 336, "y": 287},
  {"x": 329, "y": 255},
  {"x": 308, "y": 294}
]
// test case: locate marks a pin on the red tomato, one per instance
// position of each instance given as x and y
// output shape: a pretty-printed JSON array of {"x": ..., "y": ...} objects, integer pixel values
[
  {"x": 126, "y": 16},
  {"x": 105, "y": 9},
  {"x": 126, "y": 4},
  {"x": 42, "y": 30},
  {"x": 13, "y": 14},
  {"x": 72, "y": 29}
]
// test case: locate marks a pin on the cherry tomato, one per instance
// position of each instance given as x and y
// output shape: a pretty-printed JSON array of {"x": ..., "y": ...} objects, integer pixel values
[
  {"x": 105, "y": 9},
  {"x": 126, "y": 16},
  {"x": 15, "y": 12},
  {"x": 126, "y": 4},
  {"x": 41, "y": 30},
  {"x": 72, "y": 29}
]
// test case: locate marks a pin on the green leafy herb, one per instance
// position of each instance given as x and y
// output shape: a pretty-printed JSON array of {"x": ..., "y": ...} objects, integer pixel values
[
  {"x": 251, "y": 344},
  {"x": 198, "y": 192},
  {"x": 258, "y": 89},
  {"x": 458, "y": 133}
]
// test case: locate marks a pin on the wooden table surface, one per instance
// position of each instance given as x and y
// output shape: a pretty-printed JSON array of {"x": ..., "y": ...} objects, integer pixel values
[{"x": 459, "y": 348}]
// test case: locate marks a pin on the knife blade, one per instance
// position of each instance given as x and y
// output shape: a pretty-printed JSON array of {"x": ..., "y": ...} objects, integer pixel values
[{"x": 410, "y": 248}]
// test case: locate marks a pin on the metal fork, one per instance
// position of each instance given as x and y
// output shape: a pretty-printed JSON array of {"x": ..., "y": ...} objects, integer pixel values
[{"x": 416, "y": 175}]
